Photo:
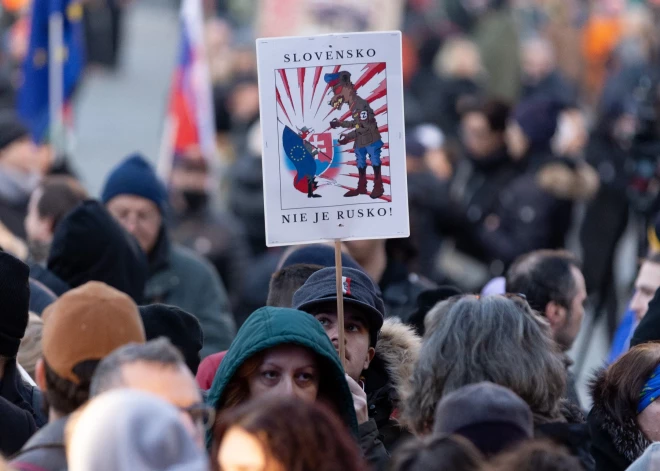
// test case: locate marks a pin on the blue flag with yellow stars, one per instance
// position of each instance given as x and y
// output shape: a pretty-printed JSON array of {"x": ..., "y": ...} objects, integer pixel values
[
  {"x": 298, "y": 154},
  {"x": 32, "y": 101}
]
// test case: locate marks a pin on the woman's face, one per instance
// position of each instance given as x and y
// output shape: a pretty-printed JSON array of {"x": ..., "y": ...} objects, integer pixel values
[
  {"x": 286, "y": 370},
  {"x": 241, "y": 451},
  {"x": 649, "y": 421}
]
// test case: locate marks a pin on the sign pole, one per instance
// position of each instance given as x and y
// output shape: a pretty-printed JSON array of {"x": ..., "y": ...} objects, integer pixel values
[{"x": 340, "y": 302}]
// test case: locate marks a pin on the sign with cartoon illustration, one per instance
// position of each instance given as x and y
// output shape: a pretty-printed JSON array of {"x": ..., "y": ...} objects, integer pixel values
[{"x": 333, "y": 137}]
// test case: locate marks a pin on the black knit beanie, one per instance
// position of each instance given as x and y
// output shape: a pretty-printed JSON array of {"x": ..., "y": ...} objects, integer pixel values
[
  {"x": 178, "y": 326},
  {"x": 14, "y": 303},
  {"x": 11, "y": 129}
]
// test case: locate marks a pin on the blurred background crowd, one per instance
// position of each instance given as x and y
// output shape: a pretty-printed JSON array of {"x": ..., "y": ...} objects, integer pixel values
[{"x": 530, "y": 124}]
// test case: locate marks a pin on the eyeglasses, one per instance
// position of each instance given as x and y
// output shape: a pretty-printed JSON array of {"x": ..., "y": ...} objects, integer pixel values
[{"x": 200, "y": 414}]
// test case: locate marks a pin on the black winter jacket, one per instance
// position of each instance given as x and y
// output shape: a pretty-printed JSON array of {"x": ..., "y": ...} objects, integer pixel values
[{"x": 21, "y": 409}]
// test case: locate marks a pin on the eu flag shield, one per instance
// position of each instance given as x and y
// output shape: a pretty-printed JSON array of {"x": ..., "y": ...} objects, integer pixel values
[
  {"x": 299, "y": 154},
  {"x": 33, "y": 96}
]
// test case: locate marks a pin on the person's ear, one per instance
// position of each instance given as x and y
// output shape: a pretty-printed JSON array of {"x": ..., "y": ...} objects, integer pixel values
[
  {"x": 40, "y": 374},
  {"x": 370, "y": 356},
  {"x": 555, "y": 314}
]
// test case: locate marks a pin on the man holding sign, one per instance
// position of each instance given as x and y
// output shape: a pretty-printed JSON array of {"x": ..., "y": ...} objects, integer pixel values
[{"x": 363, "y": 319}]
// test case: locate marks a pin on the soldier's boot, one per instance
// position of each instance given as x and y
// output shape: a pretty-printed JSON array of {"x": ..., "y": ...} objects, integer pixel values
[
  {"x": 378, "y": 190},
  {"x": 310, "y": 189},
  {"x": 362, "y": 184}
]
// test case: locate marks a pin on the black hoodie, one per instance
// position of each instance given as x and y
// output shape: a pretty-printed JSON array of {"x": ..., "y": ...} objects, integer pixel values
[{"x": 89, "y": 245}]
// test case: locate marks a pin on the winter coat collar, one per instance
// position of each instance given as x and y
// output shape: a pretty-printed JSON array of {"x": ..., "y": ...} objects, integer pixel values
[
  {"x": 16, "y": 391},
  {"x": 397, "y": 351},
  {"x": 159, "y": 258},
  {"x": 615, "y": 443},
  {"x": 50, "y": 435},
  {"x": 500, "y": 159}
]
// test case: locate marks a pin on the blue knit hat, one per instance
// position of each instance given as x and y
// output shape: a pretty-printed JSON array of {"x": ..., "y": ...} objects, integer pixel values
[
  {"x": 135, "y": 176},
  {"x": 538, "y": 119}
]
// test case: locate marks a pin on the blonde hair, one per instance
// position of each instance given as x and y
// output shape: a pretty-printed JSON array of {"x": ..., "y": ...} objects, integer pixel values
[
  {"x": 459, "y": 57},
  {"x": 29, "y": 351}
]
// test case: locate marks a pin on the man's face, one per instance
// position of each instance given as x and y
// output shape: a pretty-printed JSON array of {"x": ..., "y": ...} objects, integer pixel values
[
  {"x": 139, "y": 216},
  {"x": 537, "y": 61},
  {"x": 566, "y": 334},
  {"x": 174, "y": 384},
  {"x": 478, "y": 138},
  {"x": 356, "y": 337},
  {"x": 21, "y": 156},
  {"x": 646, "y": 284}
]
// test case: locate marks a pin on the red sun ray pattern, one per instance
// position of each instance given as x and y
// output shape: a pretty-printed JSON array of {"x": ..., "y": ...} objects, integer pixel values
[
  {"x": 301, "y": 86},
  {"x": 379, "y": 92},
  {"x": 369, "y": 74},
  {"x": 327, "y": 87},
  {"x": 371, "y": 71},
  {"x": 286, "y": 86},
  {"x": 279, "y": 102},
  {"x": 317, "y": 76}
]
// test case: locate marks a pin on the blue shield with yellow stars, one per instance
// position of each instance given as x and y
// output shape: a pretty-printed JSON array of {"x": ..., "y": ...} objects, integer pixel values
[{"x": 299, "y": 156}]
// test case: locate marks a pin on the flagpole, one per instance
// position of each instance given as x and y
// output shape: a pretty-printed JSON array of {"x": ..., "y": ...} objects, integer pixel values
[{"x": 56, "y": 81}]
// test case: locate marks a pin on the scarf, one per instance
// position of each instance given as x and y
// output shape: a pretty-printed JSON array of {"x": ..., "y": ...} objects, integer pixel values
[
  {"x": 15, "y": 186},
  {"x": 650, "y": 391}
]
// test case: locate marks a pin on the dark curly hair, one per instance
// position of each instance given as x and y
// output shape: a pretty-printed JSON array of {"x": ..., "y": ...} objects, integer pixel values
[
  {"x": 300, "y": 435},
  {"x": 544, "y": 276}
]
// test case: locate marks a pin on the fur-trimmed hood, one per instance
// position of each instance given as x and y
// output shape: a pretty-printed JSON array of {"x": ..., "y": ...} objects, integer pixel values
[
  {"x": 574, "y": 181},
  {"x": 388, "y": 378},
  {"x": 398, "y": 348},
  {"x": 617, "y": 440}
]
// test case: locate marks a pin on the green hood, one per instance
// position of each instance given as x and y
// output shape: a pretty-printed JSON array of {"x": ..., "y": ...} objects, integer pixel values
[{"x": 269, "y": 327}]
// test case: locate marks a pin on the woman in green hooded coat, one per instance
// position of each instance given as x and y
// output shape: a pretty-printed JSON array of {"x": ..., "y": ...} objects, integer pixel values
[{"x": 285, "y": 352}]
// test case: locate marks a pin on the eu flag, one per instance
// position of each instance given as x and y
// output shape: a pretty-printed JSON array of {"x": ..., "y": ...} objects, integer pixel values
[
  {"x": 298, "y": 154},
  {"x": 33, "y": 104}
]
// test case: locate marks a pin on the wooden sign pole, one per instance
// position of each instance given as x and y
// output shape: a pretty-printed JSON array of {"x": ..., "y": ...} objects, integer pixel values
[{"x": 340, "y": 302}]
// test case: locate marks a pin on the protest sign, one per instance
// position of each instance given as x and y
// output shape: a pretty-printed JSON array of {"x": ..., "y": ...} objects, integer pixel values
[{"x": 333, "y": 137}]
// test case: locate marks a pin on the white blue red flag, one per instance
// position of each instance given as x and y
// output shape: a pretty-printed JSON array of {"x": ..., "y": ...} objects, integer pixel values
[{"x": 190, "y": 127}]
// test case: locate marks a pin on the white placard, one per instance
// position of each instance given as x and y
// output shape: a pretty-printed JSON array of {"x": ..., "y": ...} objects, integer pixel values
[{"x": 331, "y": 112}]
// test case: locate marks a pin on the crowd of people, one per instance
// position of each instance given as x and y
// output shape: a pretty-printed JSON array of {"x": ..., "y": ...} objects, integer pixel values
[{"x": 150, "y": 328}]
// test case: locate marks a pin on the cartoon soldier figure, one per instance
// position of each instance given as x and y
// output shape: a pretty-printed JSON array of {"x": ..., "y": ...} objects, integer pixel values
[
  {"x": 303, "y": 133},
  {"x": 364, "y": 131},
  {"x": 308, "y": 163}
]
